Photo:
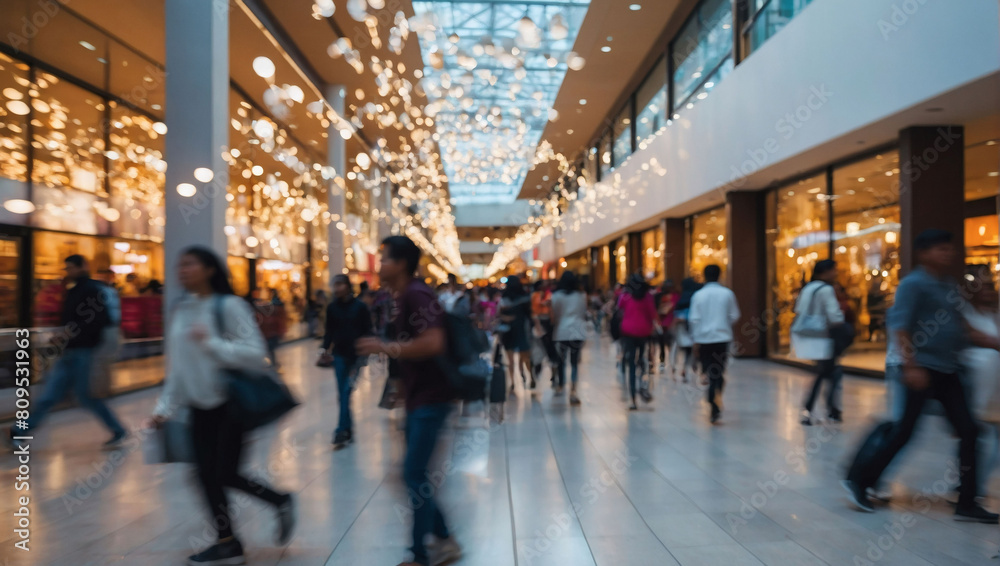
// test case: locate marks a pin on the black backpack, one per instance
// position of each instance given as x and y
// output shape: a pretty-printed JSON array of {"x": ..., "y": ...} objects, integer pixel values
[{"x": 467, "y": 372}]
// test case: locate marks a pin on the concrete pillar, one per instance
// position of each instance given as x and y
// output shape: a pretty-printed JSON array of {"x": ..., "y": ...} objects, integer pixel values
[
  {"x": 197, "y": 119},
  {"x": 675, "y": 266},
  {"x": 746, "y": 227},
  {"x": 337, "y": 158},
  {"x": 931, "y": 187}
]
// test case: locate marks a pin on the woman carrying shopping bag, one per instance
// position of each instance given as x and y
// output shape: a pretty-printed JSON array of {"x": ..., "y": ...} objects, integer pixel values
[{"x": 212, "y": 332}]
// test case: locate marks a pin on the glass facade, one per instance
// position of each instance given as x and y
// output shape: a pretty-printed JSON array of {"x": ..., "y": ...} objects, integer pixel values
[
  {"x": 651, "y": 103},
  {"x": 798, "y": 236},
  {"x": 707, "y": 242},
  {"x": 622, "y": 132},
  {"x": 863, "y": 238},
  {"x": 702, "y": 53}
]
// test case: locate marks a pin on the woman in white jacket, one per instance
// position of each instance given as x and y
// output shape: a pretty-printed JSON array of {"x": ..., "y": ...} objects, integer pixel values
[
  {"x": 818, "y": 299},
  {"x": 208, "y": 329}
]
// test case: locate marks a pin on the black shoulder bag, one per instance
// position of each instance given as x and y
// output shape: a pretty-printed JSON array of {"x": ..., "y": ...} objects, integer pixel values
[{"x": 256, "y": 398}]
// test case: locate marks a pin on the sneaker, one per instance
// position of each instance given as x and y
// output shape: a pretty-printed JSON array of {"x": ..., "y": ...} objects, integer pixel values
[
  {"x": 647, "y": 397},
  {"x": 116, "y": 441},
  {"x": 342, "y": 439},
  {"x": 633, "y": 407},
  {"x": 976, "y": 514},
  {"x": 532, "y": 384},
  {"x": 715, "y": 417},
  {"x": 836, "y": 417},
  {"x": 444, "y": 551},
  {"x": 806, "y": 418},
  {"x": 286, "y": 520},
  {"x": 222, "y": 554},
  {"x": 857, "y": 496},
  {"x": 559, "y": 391},
  {"x": 573, "y": 399}
]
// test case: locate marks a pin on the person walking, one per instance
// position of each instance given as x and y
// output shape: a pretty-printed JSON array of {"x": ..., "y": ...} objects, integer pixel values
[
  {"x": 347, "y": 320},
  {"x": 931, "y": 334},
  {"x": 713, "y": 313},
  {"x": 210, "y": 329},
  {"x": 569, "y": 319},
  {"x": 515, "y": 313},
  {"x": 666, "y": 302},
  {"x": 638, "y": 323},
  {"x": 817, "y": 314},
  {"x": 681, "y": 330},
  {"x": 106, "y": 353},
  {"x": 86, "y": 315},
  {"x": 420, "y": 336}
]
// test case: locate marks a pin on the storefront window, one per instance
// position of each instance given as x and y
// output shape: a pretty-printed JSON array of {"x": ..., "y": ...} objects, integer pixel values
[
  {"x": 799, "y": 237},
  {"x": 135, "y": 268},
  {"x": 136, "y": 173},
  {"x": 651, "y": 103},
  {"x": 10, "y": 284},
  {"x": 653, "y": 248},
  {"x": 703, "y": 51},
  {"x": 866, "y": 247},
  {"x": 239, "y": 273},
  {"x": 288, "y": 282},
  {"x": 708, "y": 242},
  {"x": 68, "y": 138},
  {"x": 14, "y": 112},
  {"x": 981, "y": 242}
]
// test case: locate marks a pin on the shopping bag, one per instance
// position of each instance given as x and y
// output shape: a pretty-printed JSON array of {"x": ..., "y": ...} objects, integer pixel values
[{"x": 168, "y": 444}]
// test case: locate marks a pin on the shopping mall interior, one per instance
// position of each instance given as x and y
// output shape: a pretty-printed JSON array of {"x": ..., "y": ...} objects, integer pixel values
[{"x": 508, "y": 139}]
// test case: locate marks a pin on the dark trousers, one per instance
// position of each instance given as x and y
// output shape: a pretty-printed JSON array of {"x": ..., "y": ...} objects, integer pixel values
[
  {"x": 345, "y": 369},
  {"x": 634, "y": 349},
  {"x": 947, "y": 389},
  {"x": 218, "y": 446},
  {"x": 571, "y": 347},
  {"x": 713, "y": 362},
  {"x": 829, "y": 371},
  {"x": 423, "y": 427},
  {"x": 72, "y": 371}
]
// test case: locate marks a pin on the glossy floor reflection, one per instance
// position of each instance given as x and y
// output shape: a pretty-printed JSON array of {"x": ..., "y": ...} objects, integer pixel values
[{"x": 554, "y": 485}]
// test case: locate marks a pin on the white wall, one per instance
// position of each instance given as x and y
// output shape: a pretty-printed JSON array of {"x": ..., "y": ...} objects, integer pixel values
[{"x": 841, "y": 65}]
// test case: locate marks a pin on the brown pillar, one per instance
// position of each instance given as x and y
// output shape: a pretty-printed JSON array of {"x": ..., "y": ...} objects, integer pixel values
[
  {"x": 931, "y": 187},
  {"x": 745, "y": 224},
  {"x": 634, "y": 252},
  {"x": 674, "y": 241}
]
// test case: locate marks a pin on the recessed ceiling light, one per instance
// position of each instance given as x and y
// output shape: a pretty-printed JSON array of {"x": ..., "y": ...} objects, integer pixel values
[
  {"x": 606, "y": 48},
  {"x": 610, "y": 38},
  {"x": 570, "y": 132},
  {"x": 583, "y": 101},
  {"x": 635, "y": 7},
  {"x": 993, "y": 173},
  {"x": 88, "y": 45}
]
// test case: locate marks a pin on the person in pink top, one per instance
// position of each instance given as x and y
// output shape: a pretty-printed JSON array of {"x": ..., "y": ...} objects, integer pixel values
[{"x": 639, "y": 321}]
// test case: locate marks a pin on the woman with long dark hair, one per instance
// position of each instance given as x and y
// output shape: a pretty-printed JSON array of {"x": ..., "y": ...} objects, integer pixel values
[
  {"x": 569, "y": 315},
  {"x": 638, "y": 323},
  {"x": 209, "y": 329},
  {"x": 515, "y": 313},
  {"x": 681, "y": 330}
]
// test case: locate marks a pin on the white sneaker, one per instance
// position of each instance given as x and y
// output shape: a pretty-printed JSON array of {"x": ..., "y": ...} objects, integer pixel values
[{"x": 444, "y": 551}]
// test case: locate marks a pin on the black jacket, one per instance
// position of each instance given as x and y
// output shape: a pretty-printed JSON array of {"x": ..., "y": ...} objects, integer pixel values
[
  {"x": 85, "y": 315},
  {"x": 346, "y": 321}
]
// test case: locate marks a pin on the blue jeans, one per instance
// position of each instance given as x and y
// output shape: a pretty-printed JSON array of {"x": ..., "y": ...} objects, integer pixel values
[
  {"x": 423, "y": 426},
  {"x": 72, "y": 369},
  {"x": 345, "y": 370}
]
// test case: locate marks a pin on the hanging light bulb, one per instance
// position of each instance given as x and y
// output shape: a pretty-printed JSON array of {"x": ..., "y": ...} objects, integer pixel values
[
  {"x": 325, "y": 8},
  {"x": 264, "y": 67},
  {"x": 186, "y": 190},
  {"x": 557, "y": 28},
  {"x": 295, "y": 93},
  {"x": 358, "y": 9}
]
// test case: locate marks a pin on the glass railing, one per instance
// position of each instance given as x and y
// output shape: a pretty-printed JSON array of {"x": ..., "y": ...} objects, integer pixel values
[{"x": 768, "y": 19}]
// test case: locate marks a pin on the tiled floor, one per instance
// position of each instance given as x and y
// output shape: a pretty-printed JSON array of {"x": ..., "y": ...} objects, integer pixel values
[{"x": 555, "y": 485}]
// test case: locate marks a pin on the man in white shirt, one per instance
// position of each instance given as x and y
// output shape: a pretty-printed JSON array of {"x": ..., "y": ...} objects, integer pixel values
[
  {"x": 713, "y": 313},
  {"x": 451, "y": 294}
]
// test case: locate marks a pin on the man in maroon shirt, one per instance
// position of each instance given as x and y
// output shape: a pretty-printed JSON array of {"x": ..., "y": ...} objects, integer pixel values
[{"x": 417, "y": 326}]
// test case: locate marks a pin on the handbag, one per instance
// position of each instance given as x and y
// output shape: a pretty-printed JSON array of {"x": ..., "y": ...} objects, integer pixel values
[
  {"x": 809, "y": 324},
  {"x": 256, "y": 398}
]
